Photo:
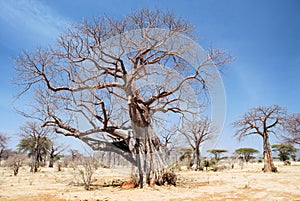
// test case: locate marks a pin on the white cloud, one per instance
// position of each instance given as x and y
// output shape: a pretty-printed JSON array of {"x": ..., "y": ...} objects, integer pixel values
[{"x": 31, "y": 16}]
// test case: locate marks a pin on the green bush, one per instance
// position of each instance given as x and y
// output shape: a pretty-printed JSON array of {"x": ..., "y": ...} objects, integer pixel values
[{"x": 206, "y": 163}]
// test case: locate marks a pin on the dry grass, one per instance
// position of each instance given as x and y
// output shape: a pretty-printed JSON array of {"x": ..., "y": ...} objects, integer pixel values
[{"x": 234, "y": 184}]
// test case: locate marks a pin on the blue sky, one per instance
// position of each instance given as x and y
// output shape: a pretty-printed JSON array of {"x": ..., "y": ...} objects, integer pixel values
[{"x": 263, "y": 36}]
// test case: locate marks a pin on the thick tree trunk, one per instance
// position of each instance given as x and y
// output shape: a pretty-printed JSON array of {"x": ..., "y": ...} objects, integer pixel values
[
  {"x": 146, "y": 141},
  {"x": 34, "y": 163},
  {"x": 197, "y": 161},
  {"x": 35, "y": 160},
  {"x": 268, "y": 159},
  {"x": 51, "y": 158},
  {"x": 51, "y": 161},
  {"x": 145, "y": 150}
]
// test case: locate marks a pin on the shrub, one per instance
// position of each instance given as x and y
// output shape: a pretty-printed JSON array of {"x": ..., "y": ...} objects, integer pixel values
[
  {"x": 209, "y": 163},
  {"x": 59, "y": 166},
  {"x": 219, "y": 168},
  {"x": 165, "y": 177},
  {"x": 274, "y": 169},
  {"x": 169, "y": 178},
  {"x": 15, "y": 162},
  {"x": 85, "y": 167},
  {"x": 206, "y": 163}
]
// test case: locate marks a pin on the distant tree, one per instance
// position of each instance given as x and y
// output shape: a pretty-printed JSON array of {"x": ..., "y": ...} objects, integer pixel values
[
  {"x": 292, "y": 126},
  {"x": 7, "y": 153},
  {"x": 196, "y": 132},
  {"x": 285, "y": 151},
  {"x": 186, "y": 155},
  {"x": 261, "y": 121},
  {"x": 15, "y": 160},
  {"x": 3, "y": 141},
  {"x": 246, "y": 153},
  {"x": 75, "y": 154},
  {"x": 54, "y": 152},
  {"x": 217, "y": 153},
  {"x": 36, "y": 142},
  {"x": 168, "y": 138}
]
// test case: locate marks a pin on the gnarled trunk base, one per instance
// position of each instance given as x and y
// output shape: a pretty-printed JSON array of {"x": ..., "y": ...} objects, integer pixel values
[{"x": 268, "y": 159}]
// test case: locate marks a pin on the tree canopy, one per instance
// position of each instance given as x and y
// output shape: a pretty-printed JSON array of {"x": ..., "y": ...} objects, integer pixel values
[
  {"x": 246, "y": 153},
  {"x": 217, "y": 153},
  {"x": 285, "y": 151}
]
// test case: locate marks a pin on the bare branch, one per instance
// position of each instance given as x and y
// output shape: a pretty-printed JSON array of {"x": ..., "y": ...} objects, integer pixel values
[{"x": 292, "y": 126}]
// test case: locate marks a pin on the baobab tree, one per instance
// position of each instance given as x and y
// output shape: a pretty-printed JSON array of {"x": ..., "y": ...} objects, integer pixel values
[
  {"x": 292, "y": 126},
  {"x": 196, "y": 132},
  {"x": 116, "y": 77},
  {"x": 262, "y": 121}
]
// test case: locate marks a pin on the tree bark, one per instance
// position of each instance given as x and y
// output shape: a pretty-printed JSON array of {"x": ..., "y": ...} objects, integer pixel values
[
  {"x": 197, "y": 152},
  {"x": 1, "y": 152},
  {"x": 35, "y": 159},
  {"x": 51, "y": 162},
  {"x": 146, "y": 141},
  {"x": 268, "y": 159},
  {"x": 51, "y": 158}
]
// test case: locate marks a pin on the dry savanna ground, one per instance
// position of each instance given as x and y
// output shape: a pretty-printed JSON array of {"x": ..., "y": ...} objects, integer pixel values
[{"x": 248, "y": 183}]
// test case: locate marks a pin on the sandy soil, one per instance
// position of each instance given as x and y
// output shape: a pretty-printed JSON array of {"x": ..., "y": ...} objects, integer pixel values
[{"x": 248, "y": 183}]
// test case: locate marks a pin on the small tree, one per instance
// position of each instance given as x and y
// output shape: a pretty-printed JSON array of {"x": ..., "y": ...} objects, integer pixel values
[
  {"x": 217, "y": 153},
  {"x": 15, "y": 161},
  {"x": 186, "y": 156},
  {"x": 85, "y": 167},
  {"x": 18, "y": 160},
  {"x": 168, "y": 138},
  {"x": 197, "y": 132},
  {"x": 54, "y": 153},
  {"x": 261, "y": 121},
  {"x": 3, "y": 141},
  {"x": 36, "y": 143},
  {"x": 285, "y": 151},
  {"x": 246, "y": 153}
]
